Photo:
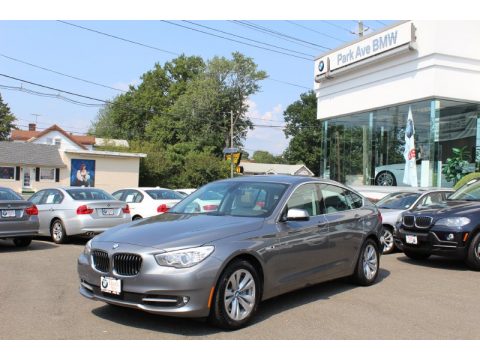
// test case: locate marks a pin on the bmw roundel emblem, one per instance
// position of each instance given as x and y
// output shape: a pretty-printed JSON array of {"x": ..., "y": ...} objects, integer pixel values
[
  {"x": 115, "y": 246},
  {"x": 104, "y": 283},
  {"x": 321, "y": 66}
]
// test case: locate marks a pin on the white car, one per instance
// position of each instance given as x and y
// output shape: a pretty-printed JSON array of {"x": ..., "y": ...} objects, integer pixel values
[
  {"x": 185, "y": 191},
  {"x": 148, "y": 201}
]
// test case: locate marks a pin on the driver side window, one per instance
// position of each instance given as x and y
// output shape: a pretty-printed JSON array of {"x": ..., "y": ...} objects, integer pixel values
[{"x": 305, "y": 197}]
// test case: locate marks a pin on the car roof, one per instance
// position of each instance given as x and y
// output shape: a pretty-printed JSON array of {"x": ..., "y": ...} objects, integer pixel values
[{"x": 285, "y": 179}]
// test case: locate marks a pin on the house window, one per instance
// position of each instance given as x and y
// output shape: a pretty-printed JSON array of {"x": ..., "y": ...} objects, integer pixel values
[
  {"x": 58, "y": 142},
  {"x": 7, "y": 172},
  {"x": 47, "y": 174}
]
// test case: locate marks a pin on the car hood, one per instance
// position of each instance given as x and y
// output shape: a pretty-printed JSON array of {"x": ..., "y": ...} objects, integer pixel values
[
  {"x": 172, "y": 231},
  {"x": 451, "y": 208}
]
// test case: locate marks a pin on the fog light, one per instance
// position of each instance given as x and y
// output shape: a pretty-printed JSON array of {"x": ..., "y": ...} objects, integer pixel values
[
  {"x": 185, "y": 299},
  {"x": 450, "y": 237}
]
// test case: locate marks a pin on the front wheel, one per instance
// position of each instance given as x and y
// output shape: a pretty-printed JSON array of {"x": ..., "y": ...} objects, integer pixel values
[
  {"x": 385, "y": 178},
  {"x": 22, "y": 242},
  {"x": 473, "y": 256},
  {"x": 389, "y": 246},
  {"x": 57, "y": 231},
  {"x": 368, "y": 264},
  {"x": 236, "y": 297}
]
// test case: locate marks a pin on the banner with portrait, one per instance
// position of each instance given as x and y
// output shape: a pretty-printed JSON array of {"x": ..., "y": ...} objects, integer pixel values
[{"x": 82, "y": 173}]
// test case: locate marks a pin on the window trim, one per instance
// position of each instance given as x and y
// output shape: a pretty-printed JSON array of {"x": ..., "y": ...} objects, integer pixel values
[{"x": 46, "y": 180}]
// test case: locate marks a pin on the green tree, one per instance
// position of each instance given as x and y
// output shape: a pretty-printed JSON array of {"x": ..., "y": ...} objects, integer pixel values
[
  {"x": 261, "y": 156},
  {"x": 6, "y": 120},
  {"x": 305, "y": 132}
]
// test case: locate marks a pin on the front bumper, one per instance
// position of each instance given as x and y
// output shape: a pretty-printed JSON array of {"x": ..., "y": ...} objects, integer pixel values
[
  {"x": 434, "y": 242},
  {"x": 155, "y": 289}
]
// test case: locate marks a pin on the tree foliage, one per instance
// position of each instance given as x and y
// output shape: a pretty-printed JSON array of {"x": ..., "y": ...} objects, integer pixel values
[
  {"x": 305, "y": 132},
  {"x": 261, "y": 156},
  {"x": 180, "y": 116},
  {"x": 7, "y": 120}
]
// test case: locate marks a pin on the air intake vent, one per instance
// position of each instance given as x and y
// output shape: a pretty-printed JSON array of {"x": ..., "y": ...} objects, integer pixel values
[
  {"x": 100, "y": 260},
  {"x": 408, "y": 220},
  {"x": 127, "y": 264}
]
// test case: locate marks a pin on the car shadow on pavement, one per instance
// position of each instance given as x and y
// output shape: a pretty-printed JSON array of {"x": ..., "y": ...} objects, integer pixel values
[
  {"x": 199, "y": 327},
  {"x": 437, "y": 262},
  {"x": 7, "y": 246}
]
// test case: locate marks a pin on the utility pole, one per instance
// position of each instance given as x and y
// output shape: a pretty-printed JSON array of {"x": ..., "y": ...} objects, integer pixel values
[
  {"x": 360, "y": 28},
  {"x": 231, "y": 143}
]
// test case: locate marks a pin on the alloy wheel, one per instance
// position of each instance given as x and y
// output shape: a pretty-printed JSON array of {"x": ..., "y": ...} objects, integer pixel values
[
  {"x": 370, "y": 262},
  {"x": 388, "y": 239},
  {"x": 239, "y": 296},
  {"x": 57, "y": 231}
]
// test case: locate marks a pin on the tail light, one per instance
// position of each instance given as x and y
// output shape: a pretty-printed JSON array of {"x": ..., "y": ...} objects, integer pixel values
[
  {"x": 32, "y": 210},
  {"x": 84, "y": 210},
  {"x": 126, "y": 209},
  {"x": 210, "y": 207},
  {"x": 162, "y": 208}
]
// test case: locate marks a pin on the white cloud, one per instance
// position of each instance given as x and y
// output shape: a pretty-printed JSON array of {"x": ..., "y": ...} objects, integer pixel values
[
  {"x": 271, "y": 138},
  {"x": 126, "y": 86}
]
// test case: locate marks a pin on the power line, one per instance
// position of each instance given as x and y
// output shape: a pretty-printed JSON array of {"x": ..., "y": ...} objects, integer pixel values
[
  {"x": 59, "y": 73},
  {"x": 120, "y": 38},
  {"x": 245, "y": 38},
  {"x": 237, "y": 41},
  {"x": 259, "y": 27},
  {"x": 289, "y": 83},
  {"x": 339, "y": 26},
  {"x": 313, "y": 30}
]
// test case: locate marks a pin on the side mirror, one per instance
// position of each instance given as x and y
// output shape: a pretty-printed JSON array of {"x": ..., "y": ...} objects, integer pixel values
[{"x": 297, "y": 215}]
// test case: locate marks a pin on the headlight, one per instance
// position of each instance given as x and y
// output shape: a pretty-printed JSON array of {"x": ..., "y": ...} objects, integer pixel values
[
  {"x": 184, "y": 258},
  {"x": 453, "y": 221},
  {"x": 88, "y": 248}
]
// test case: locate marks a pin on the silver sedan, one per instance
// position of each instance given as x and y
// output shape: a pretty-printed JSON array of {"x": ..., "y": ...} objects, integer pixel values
[
  {"x": 267, "y": 235},
  {"x": 77, "y": 211}
]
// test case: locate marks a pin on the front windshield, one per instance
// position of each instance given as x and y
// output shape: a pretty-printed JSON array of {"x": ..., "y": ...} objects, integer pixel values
[
  {"x": 470, "y": 192},
  {"x": 398, "y": 201},
  {"x": 256, "y": 199}
]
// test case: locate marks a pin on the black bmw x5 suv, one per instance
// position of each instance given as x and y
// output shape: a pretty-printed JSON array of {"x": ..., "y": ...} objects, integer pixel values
[{"x": 450, "y": 229}]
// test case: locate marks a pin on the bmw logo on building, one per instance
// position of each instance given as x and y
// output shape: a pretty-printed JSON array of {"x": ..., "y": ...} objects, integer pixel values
[{"x": 321, "y": 66}]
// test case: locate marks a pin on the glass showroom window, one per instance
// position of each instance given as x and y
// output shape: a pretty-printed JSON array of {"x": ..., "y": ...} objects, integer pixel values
[
  {"x": 7, "y": 172},
  {"x": 47, "y": 174}
]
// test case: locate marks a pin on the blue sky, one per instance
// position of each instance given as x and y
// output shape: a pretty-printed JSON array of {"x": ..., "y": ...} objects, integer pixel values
[{"x": 114, "y": 63}]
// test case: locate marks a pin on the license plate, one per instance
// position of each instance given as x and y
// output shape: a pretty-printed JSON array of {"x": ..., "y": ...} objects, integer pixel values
[
  {"x": 411, "y": 239},
  {"x": 108, "y": 212},
  {"x": 111, "y": 285},
  {"x": 8, "y": 213}
]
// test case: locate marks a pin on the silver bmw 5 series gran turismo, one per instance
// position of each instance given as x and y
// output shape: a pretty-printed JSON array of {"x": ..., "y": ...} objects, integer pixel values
[{"x": 266, "y": 236}]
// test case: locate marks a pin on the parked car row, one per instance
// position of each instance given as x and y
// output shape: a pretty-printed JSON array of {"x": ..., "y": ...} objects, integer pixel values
[{"x": 66, "y": 211}]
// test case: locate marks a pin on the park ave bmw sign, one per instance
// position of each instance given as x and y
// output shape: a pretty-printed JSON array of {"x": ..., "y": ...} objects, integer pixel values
[{"x": 368, "y": 47}]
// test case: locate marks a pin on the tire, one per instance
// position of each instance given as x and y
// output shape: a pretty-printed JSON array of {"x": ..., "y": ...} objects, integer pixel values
[
  {"x": 368, "y": 264},
  {"x": 473, "y": 255},
  {"x": 389, "y": 246},
  {"x": 233, "y": 306},
  {"x": 416, "y": 255},
  {"x": 57, "y": 232},
  {"x": 136, "y": 217},
  {"x": 385, "y": 178},
  {"x": 22, "y": 242}
]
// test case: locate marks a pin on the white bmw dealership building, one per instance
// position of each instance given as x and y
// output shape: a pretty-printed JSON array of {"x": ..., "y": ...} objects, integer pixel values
[{"x": 366, "y": 88}]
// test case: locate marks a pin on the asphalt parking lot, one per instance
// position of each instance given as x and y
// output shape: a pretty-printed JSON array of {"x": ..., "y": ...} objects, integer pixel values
[{"x": 432, "y": 299}]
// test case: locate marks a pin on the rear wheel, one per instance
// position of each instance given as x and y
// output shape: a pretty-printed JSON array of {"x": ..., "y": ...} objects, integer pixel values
[
  {"x": 473, "y": 256},
  {"x": 136, "y": 217},
  {"x": 57, "y": 231},
  {"x": 22, "y": 242},
  {"x": 416, "y": 255},
  {"x": 368, "y": 264},
  {"x": 389, "y": 246},
  {"x": 236, "y": 297}
]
